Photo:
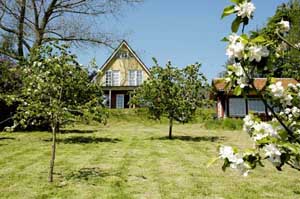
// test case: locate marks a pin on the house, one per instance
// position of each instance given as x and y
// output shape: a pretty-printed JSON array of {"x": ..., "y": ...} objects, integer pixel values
[
  {"x": 229, "y": 105},
  {"x": 122, "y": 73}
]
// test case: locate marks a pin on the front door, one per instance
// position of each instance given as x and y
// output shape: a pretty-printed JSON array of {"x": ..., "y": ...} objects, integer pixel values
[{"x": 120, "y": 101}]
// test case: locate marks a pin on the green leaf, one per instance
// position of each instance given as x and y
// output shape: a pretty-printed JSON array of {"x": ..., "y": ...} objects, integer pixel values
[
  {"x": 225, "y": 39},
  {"x": 236, "y": 1},
  {"x": 226, "y": 164},
  {"x": 244, "y": 39},
  {"x": 228, "y": 11},
  {"x": 230, "y": 67},
  {"x": 237, "y": 91},
  {"x": 236, "y": 24},
  {"x": 259, "y": 39}
]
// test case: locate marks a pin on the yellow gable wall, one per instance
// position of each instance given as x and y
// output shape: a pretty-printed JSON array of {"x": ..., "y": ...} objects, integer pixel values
[{"x": 123, "y": 65}]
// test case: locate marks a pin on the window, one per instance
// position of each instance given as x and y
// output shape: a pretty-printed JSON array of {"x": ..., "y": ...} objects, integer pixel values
[
  {"x": 256, "y": 106},
  {"x": 120, "y": 101},
  {"x": 139, "y": 77},
  {"x": 112, "y": 78},
  {"x": 108, "y": 78},
  {"x": 237, "y": 107},
  {"x": 135, "y": 77},
  {"x": 124, "y": 55},
  {"x": 116, "y": 78},
  {"x": 132, "y": 78}
]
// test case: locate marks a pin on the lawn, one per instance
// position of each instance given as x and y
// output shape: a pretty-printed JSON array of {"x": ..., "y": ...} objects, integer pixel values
[{"x": 133, "y": 159}]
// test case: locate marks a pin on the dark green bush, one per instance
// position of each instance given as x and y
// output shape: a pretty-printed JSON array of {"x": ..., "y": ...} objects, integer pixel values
[{"x": 225, "y": 124}]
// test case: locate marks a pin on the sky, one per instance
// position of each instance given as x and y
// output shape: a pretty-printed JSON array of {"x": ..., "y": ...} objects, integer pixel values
[{"x": 183, "y": 32}]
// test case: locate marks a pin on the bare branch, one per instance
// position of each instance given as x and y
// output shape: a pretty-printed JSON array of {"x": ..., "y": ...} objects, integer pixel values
[{"x": 35, "y": 22}]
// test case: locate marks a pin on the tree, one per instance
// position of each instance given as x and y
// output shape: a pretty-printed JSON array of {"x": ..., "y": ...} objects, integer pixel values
[
  {"x": 172, "y": 92},
  {"x": 56, "y": 91},
  {"x": 284, "y": 60},
  {"x": 277, "y": 141},
  {"x": 36, "y": 22}
]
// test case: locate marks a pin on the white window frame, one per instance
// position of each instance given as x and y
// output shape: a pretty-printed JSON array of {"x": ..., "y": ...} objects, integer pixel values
[
  {"x": 237, "y": 107},
  {"x": 139, "y": 77},
  {"x": 135, "y": 77},
  {"x": 120, "y": 104},
  {"x": 115, "y": 78},
  {"x": 124, "y": 55},
  {"x": 132, "y": 77},
  {"x": 108, "y": 78}
]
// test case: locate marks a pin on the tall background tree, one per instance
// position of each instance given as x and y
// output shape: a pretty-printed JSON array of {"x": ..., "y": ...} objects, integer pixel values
[
  {"x": 284, "y": 61},
  {"x": 172, "y": 92},
  {"x": 33, "y": 23}
]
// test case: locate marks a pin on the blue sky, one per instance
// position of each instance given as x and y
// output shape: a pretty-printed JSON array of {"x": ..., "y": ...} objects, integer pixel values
[{"x": 183, "y": 32}]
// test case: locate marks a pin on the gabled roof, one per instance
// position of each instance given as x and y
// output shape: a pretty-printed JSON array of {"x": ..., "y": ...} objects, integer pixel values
[
  {"x": 219, "y": 84},
  {"x": 123, "y": 43}
]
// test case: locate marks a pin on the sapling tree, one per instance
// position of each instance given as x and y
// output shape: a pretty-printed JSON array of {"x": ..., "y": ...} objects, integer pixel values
[
  {"x": 173, "y": 92},
  {"x": 56, "y": 90},
  {"x": 278, "y": 140}
]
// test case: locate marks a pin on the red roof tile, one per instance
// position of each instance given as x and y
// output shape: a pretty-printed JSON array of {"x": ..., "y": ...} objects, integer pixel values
[{"x": 219, "y": 84}]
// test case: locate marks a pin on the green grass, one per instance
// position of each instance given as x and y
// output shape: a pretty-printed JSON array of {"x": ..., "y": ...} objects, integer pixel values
[{"x": 133, "y": 159}]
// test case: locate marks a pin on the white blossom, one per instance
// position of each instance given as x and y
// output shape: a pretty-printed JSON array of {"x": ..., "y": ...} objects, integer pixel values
[
  {"x": 237, "y": 69},
  {"x": 245, "y": 9},
  {"x": 233, "y": 38},
  {"x": 259, "y": 136},
  {"x": 287, "y": 100},
  {"x": 235, "y": 50},
  {"x": 277, "y": 89},
  {"x": 287, "y": 111},
  {"x": 284, "y": 26},
  {"x": 257, "y": 52},
  {"x": 282, "y": 47},
  {"x": 242, "y": 81},
  {"x": 295, "y": 111},
  {"x": 273, "y": 154},
  {"x": 297, "y": 45},
  {"x": 292, "y": 86},
  {"x": 227, "y": 152},
  {"x": 248, "y": 123}
]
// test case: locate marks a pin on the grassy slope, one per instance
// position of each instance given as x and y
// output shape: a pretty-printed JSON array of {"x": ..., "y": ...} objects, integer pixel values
[{"x": 133, "y": 160}]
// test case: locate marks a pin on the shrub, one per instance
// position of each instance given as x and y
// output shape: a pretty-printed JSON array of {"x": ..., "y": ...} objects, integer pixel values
[{"x": 225, "y": 124}]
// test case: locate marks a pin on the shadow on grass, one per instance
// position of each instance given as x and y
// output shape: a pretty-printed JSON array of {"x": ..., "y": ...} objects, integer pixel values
[
  {"x": 192, "y": 139},
  {"x": 7, "y": 138},
  {"x": 87, "y": 174},
  {"x": 84, "y": 140},
  {"x": 76, "y": 131}
]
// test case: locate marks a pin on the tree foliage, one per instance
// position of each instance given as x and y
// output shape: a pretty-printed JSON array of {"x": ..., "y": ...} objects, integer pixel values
[
  {"x": 56, "y": 90},
  {"x": 172, "y": 92},
  {"x": 284, "y": 60},
  {"x": 10, "y": 85}
]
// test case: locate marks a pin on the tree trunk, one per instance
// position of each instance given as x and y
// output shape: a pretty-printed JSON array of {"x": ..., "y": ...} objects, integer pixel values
[
  {"x": 170, "y": 127},
  {"x": 52, "y": 153},
  {"x": 21, "y": 28}
]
